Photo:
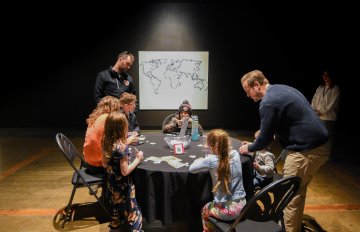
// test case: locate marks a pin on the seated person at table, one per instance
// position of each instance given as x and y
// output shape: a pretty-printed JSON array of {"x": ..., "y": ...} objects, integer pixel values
[
  {"x": 263, "y": 166},
  {"x": 225, "y": 168},
  {"x": 92, "y": 150},
  {"x": 174, "y": 125},
  {"x": 120, "y": 188},
  {"x": 127, "y": 106}
]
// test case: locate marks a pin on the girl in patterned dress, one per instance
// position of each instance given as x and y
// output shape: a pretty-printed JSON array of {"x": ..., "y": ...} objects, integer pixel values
[{"x": 120, "y": 188}]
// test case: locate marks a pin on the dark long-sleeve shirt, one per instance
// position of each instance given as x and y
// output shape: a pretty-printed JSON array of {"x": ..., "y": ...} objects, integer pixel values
[
  {"x": 111, "y": 83},
  {"x": 133, "y": 124},
  {"x": 285, "y": 112}
]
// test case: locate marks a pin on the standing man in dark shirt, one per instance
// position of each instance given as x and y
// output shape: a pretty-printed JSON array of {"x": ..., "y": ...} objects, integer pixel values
[
  {"x": 114, "y": 81},
  {"x": 285, "y": 111}
]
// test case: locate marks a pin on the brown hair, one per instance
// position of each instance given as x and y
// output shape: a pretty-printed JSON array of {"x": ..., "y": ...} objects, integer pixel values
[
  {"x": 125, "y": 54},
  {"x": 107, "y": 105},
  {"x": 255, "y": 75},
  {"x": 127, "y": 98},
  {"x": 115, "y": 130},
  {"x": 219, "y": 142}
]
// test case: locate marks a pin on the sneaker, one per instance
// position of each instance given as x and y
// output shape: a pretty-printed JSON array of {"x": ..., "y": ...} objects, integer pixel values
[{"x": 94, "y": 188}]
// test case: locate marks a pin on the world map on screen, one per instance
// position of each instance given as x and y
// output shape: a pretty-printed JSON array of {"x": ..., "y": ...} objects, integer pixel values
[{"x": 167, "y": 78}]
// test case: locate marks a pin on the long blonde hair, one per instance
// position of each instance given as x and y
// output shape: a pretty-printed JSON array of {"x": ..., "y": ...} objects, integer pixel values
[
  {"x": 115, "y": 130},
  {"x": 107, "y": 105},
  {"x": 218, "y": 141}
]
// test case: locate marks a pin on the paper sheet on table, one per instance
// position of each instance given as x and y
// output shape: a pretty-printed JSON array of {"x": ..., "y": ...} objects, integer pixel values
[
  {"x": 170, "y": 158},
  {"x": 175, "y": 163},
  {"x": 153, "y": 158}
]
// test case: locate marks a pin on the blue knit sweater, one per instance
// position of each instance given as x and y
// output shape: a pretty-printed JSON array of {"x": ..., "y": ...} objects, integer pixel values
[{"x": 285, "y": 112}]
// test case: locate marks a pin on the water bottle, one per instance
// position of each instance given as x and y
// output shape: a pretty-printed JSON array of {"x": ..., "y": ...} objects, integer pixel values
[{"x": 195, "y": 127}]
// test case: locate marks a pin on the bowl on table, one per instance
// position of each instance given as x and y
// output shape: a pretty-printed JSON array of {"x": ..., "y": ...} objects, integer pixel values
[{"x": 171, "y": 139}]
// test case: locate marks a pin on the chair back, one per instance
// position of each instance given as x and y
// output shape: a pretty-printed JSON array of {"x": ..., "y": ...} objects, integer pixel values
[
  {"x": 80, "y": 178},
  {"x": 69, "y": 150},
  {"x": 269, "y": 203},
  {"x": 278, "y": 175},
  {"x": 276, "y": 163},
  {"x": 167, "y": 120}
]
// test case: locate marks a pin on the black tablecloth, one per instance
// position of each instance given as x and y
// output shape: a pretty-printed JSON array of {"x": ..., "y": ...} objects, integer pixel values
[{"x": 172, "y": 195}]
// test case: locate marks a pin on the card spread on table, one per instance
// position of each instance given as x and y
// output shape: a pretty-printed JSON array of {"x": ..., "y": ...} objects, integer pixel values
[
  {"x": 171, "y": 160},
  {"x": 153, "y": 158},
  {"x": 176, "y": 164}
]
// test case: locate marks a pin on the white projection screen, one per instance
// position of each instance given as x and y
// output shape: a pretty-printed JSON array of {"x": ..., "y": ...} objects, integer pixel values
[{"x": 166, "y": 78}]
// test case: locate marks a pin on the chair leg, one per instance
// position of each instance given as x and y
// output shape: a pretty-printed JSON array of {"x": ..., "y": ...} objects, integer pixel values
[
  {"x": 283, "y": 224},
  {"x": 101, "y": 201},
  {"x": 67, "y": 217}
]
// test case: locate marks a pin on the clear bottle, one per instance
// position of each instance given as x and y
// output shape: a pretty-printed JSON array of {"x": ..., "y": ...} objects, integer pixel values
[{"x": 195, "y": 127}]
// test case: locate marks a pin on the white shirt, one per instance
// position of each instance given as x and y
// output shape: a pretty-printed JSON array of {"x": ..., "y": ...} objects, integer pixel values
[{"x": 326, "y": 100}]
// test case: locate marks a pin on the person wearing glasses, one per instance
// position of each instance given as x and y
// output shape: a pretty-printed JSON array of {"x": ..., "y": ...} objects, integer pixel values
[
  {"x": 326, "y": 102},
  {"x": 127, "y": 106},
  {"x": 286, "y": 113},
  {"x": 115, "y": 80}
]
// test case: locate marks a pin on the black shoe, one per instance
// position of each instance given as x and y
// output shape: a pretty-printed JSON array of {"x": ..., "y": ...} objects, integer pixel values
[{"x": 113, "y": 228}]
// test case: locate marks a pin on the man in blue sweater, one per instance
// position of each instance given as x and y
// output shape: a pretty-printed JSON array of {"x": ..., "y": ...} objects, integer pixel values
[{"x": 285, "y": 112}]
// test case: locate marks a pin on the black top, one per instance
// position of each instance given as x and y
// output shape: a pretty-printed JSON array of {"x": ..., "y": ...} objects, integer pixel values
[{"x": 111, "y": 83}]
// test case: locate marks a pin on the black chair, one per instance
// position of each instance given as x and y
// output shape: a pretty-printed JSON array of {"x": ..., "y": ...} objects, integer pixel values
[
  {"x": 264, "y": 210},
  {"x": 80, "y": 177},
  {"x": 282, "y": 156},
  {"x": 167, "y": 120},
  {"x": 277, "y": 175}
]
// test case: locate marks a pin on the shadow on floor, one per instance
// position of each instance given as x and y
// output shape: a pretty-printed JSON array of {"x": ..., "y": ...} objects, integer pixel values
[
  {"x": 310, "y": 224},
  {"x": 82, "y": 216},
  {"x": 87, "y": 215}
]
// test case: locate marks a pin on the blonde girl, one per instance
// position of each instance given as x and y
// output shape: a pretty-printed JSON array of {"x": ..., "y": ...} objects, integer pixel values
[{"x": 224, "y": 165}]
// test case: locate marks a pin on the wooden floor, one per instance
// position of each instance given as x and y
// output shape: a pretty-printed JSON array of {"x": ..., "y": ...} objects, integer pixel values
[{"x": 35, "y": 186}]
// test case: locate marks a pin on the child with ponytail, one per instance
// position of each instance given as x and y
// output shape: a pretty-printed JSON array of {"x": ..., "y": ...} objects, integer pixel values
[{"x": 225, "y": 168}]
